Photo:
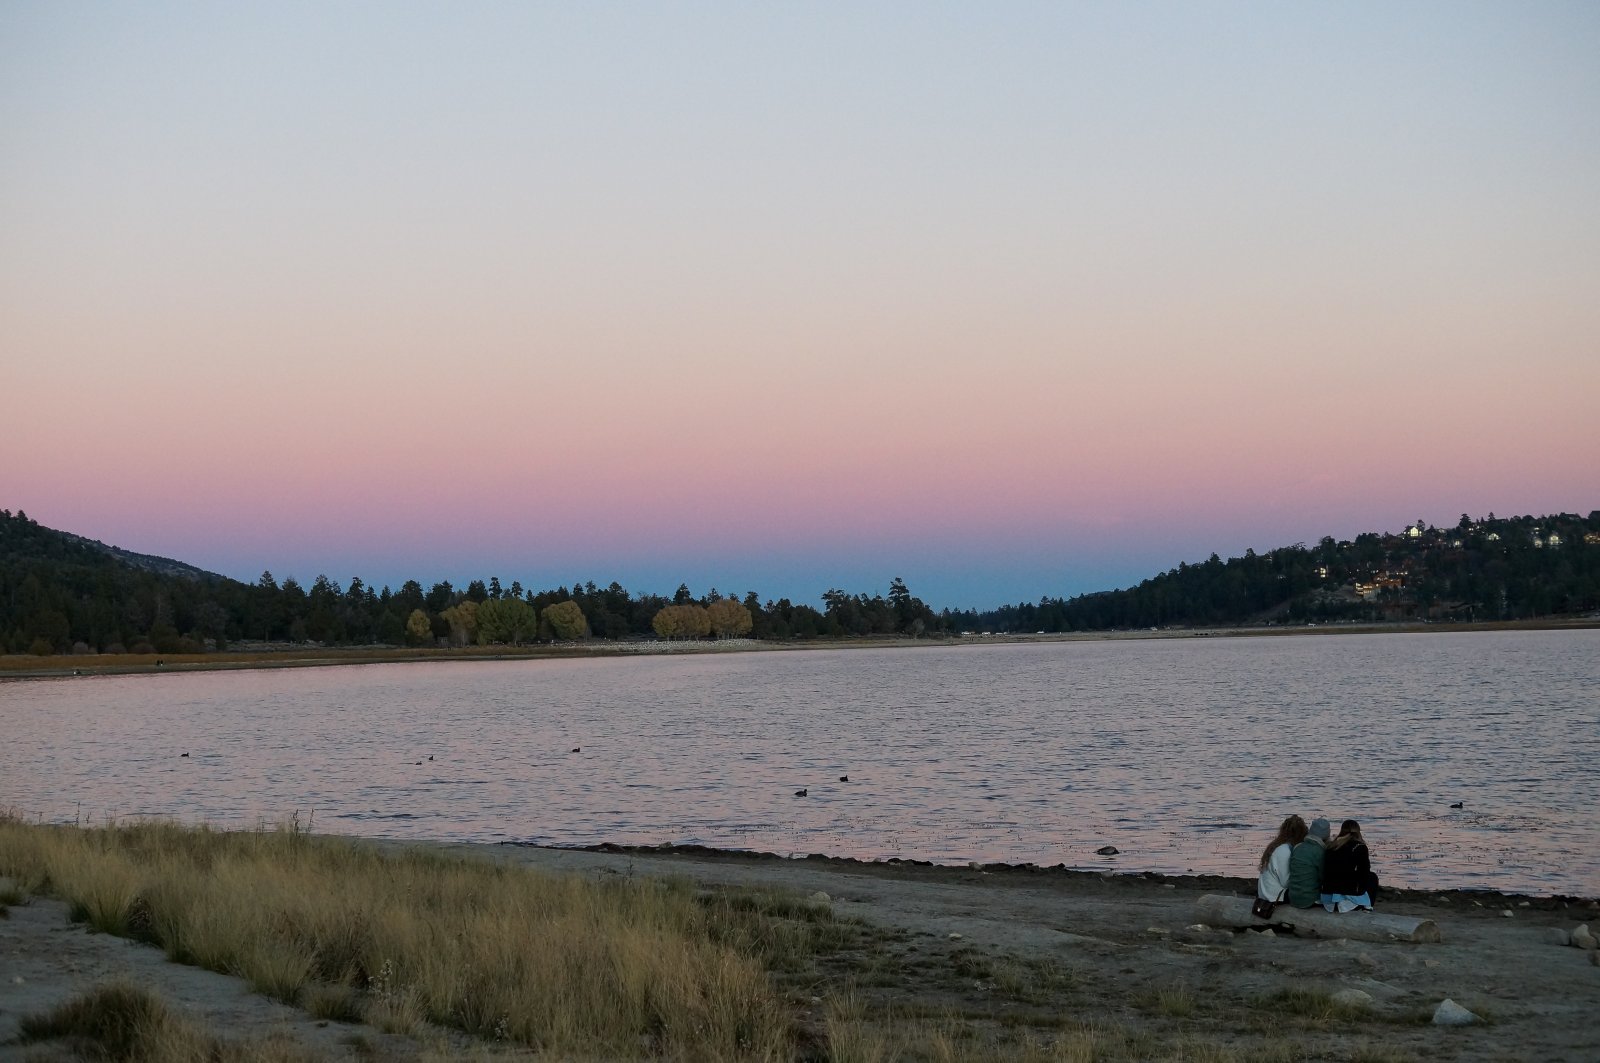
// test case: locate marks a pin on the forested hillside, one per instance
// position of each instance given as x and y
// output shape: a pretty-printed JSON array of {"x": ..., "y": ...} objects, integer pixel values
[
  {"x": 63, "y": 594},
  {"x": 1513, "y": 568}
]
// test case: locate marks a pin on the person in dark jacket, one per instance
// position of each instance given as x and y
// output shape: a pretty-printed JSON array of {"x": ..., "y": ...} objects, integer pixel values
[
  {"x": 1305, "y": 866},
  {"x": 1347, "y": 871}
]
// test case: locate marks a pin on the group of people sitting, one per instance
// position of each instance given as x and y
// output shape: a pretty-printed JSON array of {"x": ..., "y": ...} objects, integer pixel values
[{"x": 1303, "y": 867}]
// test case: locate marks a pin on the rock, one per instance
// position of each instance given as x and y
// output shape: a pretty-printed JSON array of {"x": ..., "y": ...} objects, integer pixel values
[
  {"x": 1449, "y": 1013},
  {"x": 1557, "y": 936},
  {"x": 1198, "y": 926},
  {"x": 1508, "y": 913},
  {"x": 1525, "y": 904},
  {"x": 1108, "y": 850},
  {"x": 1430, "y": 963},
  {"x": 1369, "y": 961},
  {"x": 1352, "y": 998},
  {"x": 955, "y": 937},
  {"x": 1582, "y": 938},
  {"x": 820, "y": 898},
  {"x": 1169, "y": 885},
  {"x": 1157, "y": 931}
]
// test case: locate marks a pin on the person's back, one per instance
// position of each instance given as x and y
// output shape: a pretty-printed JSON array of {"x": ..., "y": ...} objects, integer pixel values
[
  {"x": 1305, "y": 867},
  {"x": 1347, "y": 879}
]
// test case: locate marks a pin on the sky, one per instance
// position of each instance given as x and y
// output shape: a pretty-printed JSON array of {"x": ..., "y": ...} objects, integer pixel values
[{"x": 1007, "y": 300}]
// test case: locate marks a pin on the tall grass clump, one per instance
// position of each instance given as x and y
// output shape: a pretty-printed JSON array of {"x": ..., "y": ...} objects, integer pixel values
[
  {"x": 127, "y": 1024},
  {"x": 568, "y": 965}
]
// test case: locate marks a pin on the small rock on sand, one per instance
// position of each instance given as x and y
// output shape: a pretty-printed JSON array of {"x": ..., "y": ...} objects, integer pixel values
[
  {"x": 820, "y": 898},
  {"x": 1353, "y": 998},
  {"x": 1557, "y": 936},
  {"x": 1449, "y": 1013}
]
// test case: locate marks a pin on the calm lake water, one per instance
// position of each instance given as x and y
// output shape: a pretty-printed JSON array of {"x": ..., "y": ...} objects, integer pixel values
[{"x": 1184, "y": 754}]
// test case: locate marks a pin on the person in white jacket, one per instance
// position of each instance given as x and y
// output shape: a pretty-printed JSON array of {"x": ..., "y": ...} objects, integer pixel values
[{"x": 1274, "y": 881}]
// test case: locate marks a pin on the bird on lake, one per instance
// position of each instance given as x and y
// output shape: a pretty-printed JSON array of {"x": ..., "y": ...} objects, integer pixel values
[
  {"x": 183, "y": 754},
  {"x": 577, "y": 749},
  {"x": 844, "y": 778},
  {"x": 800, "y": 793},
  {"x": 1108, "y": 850},
  {"x": 430, "y": 756},
  {"x": 1459, "y": 804}
]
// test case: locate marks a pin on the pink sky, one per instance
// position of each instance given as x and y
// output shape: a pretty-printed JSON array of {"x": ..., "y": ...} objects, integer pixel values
[{"x": 1034, "y": 303}]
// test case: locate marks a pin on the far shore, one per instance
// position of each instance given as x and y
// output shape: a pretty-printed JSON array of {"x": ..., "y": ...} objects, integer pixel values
[{"x": 27, "y": 666}]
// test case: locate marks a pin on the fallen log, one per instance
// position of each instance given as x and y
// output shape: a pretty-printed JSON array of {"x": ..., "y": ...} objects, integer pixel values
[{"x": 1221, "y": 910}]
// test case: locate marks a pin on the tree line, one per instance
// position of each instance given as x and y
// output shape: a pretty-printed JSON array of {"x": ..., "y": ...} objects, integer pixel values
[
  {"x": 61, "y": 594},
  {"x": 1490, "y": 568}
]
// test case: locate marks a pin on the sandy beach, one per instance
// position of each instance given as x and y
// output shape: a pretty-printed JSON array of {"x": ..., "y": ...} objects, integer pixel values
[{"x": 998, "y": 948}]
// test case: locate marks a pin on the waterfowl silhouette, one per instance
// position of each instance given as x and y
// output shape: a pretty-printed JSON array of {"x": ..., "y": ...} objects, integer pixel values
[
  {"x": 1459, "y": 804},
  {"x": 183, "y": 754},
  {"x": 844, "y": 778},
  {"x": 430, "y": 756},
  {"x": 577, "y": 749},
  {"x": 800, "y": 793},
  {"x": 1108, "y": 850}
]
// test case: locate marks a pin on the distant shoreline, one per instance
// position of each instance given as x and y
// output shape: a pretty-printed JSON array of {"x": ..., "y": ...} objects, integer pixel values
[{"x": 22, "y": 666}]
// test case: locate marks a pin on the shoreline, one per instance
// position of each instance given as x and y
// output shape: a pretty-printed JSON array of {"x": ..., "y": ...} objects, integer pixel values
[
  {"x": 24, "y": 667},
  {"x": 907, "y": 955},
  {"x": 1030, "y": 872}
]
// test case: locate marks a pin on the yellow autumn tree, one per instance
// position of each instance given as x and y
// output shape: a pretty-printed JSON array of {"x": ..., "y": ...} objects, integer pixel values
[
  {"x": 566, "y": 621},
  {"x": 463, "y": 620},
  {"x": 729, "y": 618},
  {"x": 418, "y": 629},
  {"x": 682, "y": 622}
]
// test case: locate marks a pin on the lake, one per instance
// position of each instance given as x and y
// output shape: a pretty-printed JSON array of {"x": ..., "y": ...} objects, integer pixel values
[{"x": 1182, "y": 753}]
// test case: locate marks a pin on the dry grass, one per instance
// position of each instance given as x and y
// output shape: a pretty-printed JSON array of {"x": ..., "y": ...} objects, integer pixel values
[
  {"x": 565, "y": 964},
  {"x": 576, "y": 967},
  {"x": 125, "y": 1023}
]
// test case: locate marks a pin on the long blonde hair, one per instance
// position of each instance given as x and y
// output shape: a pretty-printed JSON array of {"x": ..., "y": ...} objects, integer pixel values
[
  {"x": 1292, "y": 831},
  {"x": 1349, "y": 831}
]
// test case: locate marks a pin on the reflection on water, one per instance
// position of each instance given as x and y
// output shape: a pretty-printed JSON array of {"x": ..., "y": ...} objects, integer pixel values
[{"x": 1183, "y": 754}]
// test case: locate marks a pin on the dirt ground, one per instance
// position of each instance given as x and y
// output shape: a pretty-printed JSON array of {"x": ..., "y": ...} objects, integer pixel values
[{"x": 1127, "y": 948}]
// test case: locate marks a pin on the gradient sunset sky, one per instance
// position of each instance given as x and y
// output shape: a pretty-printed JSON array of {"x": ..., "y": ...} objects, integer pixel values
[{"x": 1006, "y": 299}]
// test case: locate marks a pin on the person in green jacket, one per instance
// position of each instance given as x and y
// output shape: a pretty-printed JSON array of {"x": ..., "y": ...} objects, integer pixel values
[{"x": 1305, "y": 866}]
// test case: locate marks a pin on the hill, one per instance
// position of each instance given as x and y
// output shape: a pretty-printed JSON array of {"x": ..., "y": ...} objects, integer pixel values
[{"x": 1514, "y": 568}]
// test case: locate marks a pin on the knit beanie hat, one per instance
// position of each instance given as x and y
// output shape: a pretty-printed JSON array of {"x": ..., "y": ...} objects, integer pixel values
[{"x": 1319, "y": 828}]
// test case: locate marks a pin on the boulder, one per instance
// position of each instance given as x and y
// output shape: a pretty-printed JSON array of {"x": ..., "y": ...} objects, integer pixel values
[
  {"x": 1557, "y": 936},
  {"x": 1353, "y": 998},
  {"x": 1449, "y": 1013}
]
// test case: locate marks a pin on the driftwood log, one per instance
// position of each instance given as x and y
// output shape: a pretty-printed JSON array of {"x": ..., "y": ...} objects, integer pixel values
[{"x": 1220, "y": 910}]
